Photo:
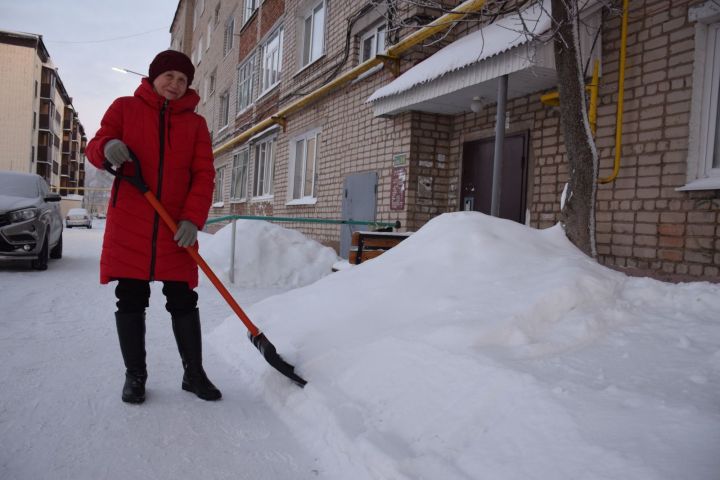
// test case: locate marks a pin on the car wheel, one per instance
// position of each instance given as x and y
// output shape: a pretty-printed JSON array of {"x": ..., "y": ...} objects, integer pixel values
[
  {"x": 89, "y": 227},
  {"x": 42, "y": 261},
  {"x": 56, "y": 251}
]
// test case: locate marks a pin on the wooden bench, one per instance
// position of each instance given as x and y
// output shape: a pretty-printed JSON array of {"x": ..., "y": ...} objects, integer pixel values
[{"x": 368, "y": 245}]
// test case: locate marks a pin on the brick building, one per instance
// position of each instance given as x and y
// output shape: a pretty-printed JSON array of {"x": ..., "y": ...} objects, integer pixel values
[
  {"x": 40, "y": 131},
  {"x": 423, "y": 144}
]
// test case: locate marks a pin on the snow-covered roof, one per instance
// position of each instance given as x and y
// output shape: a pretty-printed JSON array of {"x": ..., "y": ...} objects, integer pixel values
[{"x": 506, "y": 33}]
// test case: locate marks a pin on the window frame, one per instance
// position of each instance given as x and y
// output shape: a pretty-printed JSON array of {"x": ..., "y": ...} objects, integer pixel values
[
  {"x": 249, "y": 65},
  {"x": 219, "y": 181},
  {"x": 373, "y": 33},
  {"x": 269, "y": 148},
  {"x": 224, "y": 110},
  {"x": 704, "y": 125},
  {"x": 249, "y": 7},
  {"x": 243, "y": 184},
  {"x": 229, "y": 36},
  {"x": 309, "y": 54},
  {"x": 265, "y": 86},
  {"x": 302, "y": 197}
]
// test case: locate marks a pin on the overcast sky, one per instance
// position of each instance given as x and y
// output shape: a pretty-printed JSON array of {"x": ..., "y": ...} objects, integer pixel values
[{"x": 82, "y": 39}]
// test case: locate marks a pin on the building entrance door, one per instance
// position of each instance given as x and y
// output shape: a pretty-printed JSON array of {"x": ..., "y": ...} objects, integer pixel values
[
  {"x": 359, "y": 203},
  {"x": 477, "y": 173}
]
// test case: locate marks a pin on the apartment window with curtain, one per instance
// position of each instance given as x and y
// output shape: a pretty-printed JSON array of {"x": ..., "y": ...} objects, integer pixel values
[
  {"x": 272, "y": 60},
  {"x": 245, "y": 90},
  {"x": 313, "y": 34},
  {"x": 373, "y": 42},
  {"x": 241, "y": 164},
  {"x": 303, "y": 161},
  {"x": 229, "y": 36},
  {"x": 264, "y": 168},
  {"x": 219, "y": 182},
  {"x": 224, "y": 111}
]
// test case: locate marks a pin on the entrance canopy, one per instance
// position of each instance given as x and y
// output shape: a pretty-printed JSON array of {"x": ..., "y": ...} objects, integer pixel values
[{"x": 519, "y": 45}]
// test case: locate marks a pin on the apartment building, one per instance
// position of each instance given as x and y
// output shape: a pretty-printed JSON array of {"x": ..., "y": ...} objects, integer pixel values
[
  {"x": 40, "y": 131},
  {"x": 414, "y": 136}
]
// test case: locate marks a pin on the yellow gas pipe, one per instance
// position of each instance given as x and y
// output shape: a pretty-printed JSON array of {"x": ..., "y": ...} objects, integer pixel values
[
  {"x": 621, "y": 96},
  {"x": 392, "y": 54}
]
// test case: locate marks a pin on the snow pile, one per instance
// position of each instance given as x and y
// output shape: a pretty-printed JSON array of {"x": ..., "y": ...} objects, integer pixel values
[
  {"x": 266, "y": 255},
  {"x": 480, "y": 348}
]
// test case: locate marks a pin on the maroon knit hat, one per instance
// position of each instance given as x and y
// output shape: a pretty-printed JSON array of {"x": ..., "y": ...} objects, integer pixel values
[{"x": 171, "y": 60}]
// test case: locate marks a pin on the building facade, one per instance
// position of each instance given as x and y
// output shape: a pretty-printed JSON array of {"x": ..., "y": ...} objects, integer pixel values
[
  {"x": 414, "y": 137},
  {"x": 40, "y": 131}
]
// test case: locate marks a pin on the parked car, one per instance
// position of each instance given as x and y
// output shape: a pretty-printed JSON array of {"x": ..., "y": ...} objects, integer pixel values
[
  {"x": 78, "y": 217},
  {"x": 31, "y": 225}
]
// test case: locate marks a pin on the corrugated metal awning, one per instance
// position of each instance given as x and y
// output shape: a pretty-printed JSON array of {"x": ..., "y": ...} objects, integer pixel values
[{"x": 447, "y": 81}]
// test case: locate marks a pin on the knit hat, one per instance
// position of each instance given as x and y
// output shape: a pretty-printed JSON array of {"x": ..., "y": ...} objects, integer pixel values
[{"x": 171, "y": 60}]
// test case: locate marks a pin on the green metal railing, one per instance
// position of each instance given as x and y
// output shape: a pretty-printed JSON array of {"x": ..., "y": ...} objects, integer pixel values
[{"x": 228, "y": 218}]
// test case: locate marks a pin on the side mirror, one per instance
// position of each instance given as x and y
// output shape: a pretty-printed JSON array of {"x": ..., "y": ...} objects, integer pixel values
[{"x": 53, "y": 197}]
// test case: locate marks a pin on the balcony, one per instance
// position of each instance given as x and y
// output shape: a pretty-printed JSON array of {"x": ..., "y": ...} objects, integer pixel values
[{"x": 44, "y": 154}]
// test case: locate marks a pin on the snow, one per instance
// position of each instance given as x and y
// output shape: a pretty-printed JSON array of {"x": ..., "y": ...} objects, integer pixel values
[
  {"x": 506, "y": 33},
  {"x": 476, "y": 348}
]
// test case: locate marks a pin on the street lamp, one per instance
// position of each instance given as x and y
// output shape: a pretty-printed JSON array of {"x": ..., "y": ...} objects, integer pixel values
[{"x": 125, "y": 70}]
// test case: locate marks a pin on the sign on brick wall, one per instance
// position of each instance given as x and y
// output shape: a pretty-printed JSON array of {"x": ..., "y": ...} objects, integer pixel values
[{"x": 398, "y": 182}]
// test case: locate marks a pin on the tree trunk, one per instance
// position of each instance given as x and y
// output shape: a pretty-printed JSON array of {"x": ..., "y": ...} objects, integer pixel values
[{"x": 578, "y": 212}]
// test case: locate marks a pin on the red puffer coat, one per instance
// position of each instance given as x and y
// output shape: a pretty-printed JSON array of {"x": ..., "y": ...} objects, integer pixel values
[{"x": 173, "y": 146}]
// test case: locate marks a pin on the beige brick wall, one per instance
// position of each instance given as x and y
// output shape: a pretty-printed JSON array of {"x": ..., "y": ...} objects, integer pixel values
[{"x": 21, "y": 68}]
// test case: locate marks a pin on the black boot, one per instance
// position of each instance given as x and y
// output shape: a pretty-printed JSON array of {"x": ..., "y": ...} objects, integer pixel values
[
  {"x": 131, "y": 332},
  {"x": 189, "y": 341}
]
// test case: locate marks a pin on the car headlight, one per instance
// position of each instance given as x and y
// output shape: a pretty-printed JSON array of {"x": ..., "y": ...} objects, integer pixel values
[{"x": 23, "y": 215}]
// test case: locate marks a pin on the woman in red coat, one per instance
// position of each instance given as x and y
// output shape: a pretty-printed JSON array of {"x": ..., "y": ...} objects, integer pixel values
[{"x": 173, "y": 147}]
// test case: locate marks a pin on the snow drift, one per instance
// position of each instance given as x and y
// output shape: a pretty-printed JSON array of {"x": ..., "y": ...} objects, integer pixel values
[
  {"x": 481, "y": 348},
  {"x": 267, "y": 255}
]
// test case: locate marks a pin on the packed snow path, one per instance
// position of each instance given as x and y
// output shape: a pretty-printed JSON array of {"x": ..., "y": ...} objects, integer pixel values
[{"x": 61, "y": 416}]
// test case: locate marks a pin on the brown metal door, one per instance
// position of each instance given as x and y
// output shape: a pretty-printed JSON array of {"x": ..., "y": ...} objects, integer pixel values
[{"x": 476, "y": 185}]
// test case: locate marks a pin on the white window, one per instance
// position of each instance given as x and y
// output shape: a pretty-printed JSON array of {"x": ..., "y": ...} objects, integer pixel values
[
  {"x": 197, "y": 13},
  {"x": 303, "y": 161},
  {"x": 200, "y": 50},
  {"x": 219, "y": 182},
  {"x": 704, "y": 143},
  {"x": 241, "y": 164},
  {"x": 250, "y": 7},
  {"x": 245, "y": 88},
  {"x": 211, "y": 87},
  {"x": 217, "y": 13},
  {"x": 229, "y": 36},
  {"x": 209, "y": 35},
  {"x": 264, "y": 168},
  {"x": 373, "y": 42},
  {"x": 313, "y": 34},
  {"x": 224, "y": 109},
  {"x": 272, "y": 60}
]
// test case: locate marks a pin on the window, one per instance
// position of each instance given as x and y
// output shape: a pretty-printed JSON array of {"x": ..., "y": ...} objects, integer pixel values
[
  {"x": 211, "y": 88},
  {"x": 303, "y": 152},
  {"x": 224, "y": 109},
  {"x": 217, "y": 13},
  {"x": 264, "y": 168},
  {"x": 250, "y": 7},
  {"x": 209, "y": 35},
  {"x": 245, "y": 84},
  {"x": 272, "y": 60},
  {"x": 197, "y": 13},
  {"x": 703, "y": 171},
  {"x": 200, "y": 50},
  {"x": 238, "y": 188},
  {"x": 313, "y": 34},
  {"x": 229, "y": 36},
  {"x": 373, "y": 42},
  {"x": 219, "y": 181}
]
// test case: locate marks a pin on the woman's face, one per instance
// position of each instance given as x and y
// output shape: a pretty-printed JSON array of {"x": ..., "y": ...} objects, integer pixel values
[{"x": 171, "y": 84}]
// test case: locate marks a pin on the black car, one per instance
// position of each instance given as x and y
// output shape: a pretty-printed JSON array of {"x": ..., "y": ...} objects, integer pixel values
[{"x": 31, "y": 226}]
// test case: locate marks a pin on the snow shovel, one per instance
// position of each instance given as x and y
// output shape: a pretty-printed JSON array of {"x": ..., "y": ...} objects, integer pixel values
[{"x": 257, "y": 338}]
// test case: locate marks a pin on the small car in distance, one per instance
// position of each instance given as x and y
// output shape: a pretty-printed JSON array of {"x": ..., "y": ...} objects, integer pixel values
[
  {"x": 78, "y": 217},
  {"x": 31, "y": 224}
]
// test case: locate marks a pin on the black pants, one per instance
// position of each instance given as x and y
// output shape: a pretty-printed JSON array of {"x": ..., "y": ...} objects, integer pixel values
[{"x": 134, "y": 296}]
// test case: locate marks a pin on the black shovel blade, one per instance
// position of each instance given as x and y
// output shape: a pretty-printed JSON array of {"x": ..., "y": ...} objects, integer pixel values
[{"x": 270, "y": 354}]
